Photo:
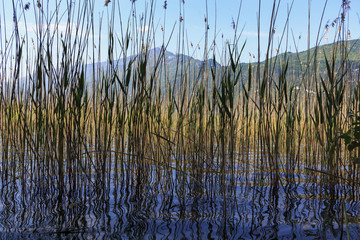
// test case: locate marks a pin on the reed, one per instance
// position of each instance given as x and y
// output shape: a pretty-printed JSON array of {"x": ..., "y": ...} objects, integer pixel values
[{"x": 130, "y": 124}]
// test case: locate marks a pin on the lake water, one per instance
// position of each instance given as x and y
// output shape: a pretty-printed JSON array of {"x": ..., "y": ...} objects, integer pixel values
[{"x": 152, "y": 202}]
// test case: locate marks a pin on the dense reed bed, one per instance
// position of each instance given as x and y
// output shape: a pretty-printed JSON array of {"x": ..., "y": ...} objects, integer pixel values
[{"x": 77, "y": 134}]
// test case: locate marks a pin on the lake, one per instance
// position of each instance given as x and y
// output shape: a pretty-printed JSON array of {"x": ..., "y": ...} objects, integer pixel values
[{"x": 145, "y": 201}]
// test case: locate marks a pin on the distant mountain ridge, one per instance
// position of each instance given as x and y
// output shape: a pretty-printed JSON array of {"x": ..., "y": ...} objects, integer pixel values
[
  {"x": 172, "y": 60},
  {"x": 298, "y": 61},
  {"x": 195, "y": 67},
  {"x": 167, "y": 72},
  {"x": 174, "y": 63}
]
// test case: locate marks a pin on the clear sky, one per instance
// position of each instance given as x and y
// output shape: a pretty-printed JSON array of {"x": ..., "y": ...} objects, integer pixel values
[{"x": 225, "y": 12}]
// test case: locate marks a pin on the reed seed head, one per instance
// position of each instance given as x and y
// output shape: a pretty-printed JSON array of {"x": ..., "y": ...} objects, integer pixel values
[{"x": 27, "y": 6}]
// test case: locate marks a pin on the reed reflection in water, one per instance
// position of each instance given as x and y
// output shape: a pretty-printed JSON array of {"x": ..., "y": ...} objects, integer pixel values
[{"x": 168, "y": 204}]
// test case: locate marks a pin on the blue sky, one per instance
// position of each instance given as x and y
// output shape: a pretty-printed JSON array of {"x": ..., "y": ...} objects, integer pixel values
[{"x": 194, "y": 11}]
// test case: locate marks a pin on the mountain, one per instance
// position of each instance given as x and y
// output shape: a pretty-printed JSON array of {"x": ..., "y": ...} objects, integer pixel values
[
  {"x": 176, "y": 69},
  {"x": 297, "y": 62},
  {"x": 170, "y": 66}
]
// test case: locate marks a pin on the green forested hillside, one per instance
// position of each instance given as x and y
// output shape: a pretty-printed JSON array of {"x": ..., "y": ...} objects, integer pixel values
[{"x": 297, "y": 62}]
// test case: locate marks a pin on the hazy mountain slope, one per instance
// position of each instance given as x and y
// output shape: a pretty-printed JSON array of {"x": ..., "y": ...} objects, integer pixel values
[{"x": 174, "y": 66}]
